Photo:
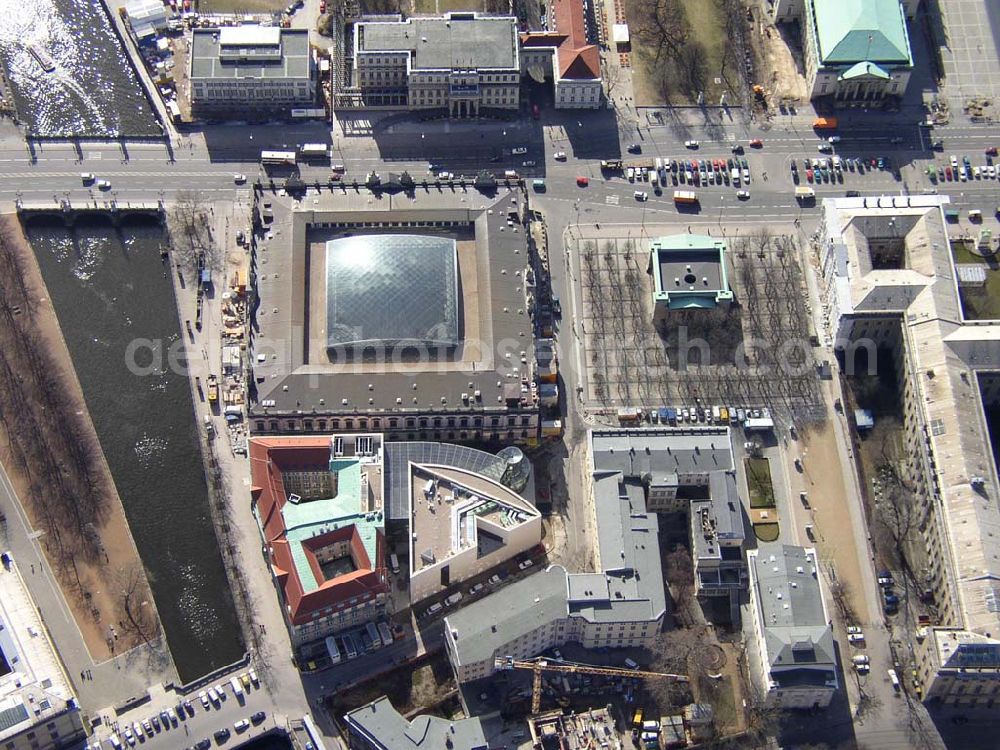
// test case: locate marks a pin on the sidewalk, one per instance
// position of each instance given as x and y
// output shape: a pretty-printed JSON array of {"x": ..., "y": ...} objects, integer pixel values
[{"x": 96, "y": 684}]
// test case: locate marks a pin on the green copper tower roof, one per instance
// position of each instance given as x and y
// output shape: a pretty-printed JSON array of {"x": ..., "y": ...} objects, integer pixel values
[{"x": 852, "y": 31}]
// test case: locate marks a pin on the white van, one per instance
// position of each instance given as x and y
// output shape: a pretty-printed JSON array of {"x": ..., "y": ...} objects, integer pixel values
[
  {"x": 234, "y": 682},
  {"x": 894, "y": 679},
  {"x": 631, "y": 664},
  {"x": 394, "y": 562}
]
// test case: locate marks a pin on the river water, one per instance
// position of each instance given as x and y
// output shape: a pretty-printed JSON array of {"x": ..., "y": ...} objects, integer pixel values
[
  {"x": 93, "y": 91},
  {"x": 110, "y": 287}
]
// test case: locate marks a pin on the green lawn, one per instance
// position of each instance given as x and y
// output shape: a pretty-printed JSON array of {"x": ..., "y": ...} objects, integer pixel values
[
  {"x": 766, "y": 532},
  {"x": 759, "y": 482},
  {"x": 982, "y": 303}
]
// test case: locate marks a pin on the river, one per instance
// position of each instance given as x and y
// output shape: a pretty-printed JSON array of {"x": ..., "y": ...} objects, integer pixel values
[
  {"x": 93, "y": 91},
  {"x": 109, "y": 288}
]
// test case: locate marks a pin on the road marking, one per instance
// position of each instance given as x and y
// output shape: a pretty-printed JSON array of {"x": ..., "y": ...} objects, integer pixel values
[{"x": 612, "y": 200}]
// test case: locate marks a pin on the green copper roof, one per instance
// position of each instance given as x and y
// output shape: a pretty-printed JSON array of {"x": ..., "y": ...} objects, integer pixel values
[
  {"x": 863, "y": 69},
  {"x": 305, "y": 520},
  {"x": 851, "y": 31}
]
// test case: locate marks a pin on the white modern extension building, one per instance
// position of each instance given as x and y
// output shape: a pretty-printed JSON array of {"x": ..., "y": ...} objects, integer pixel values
[
  {"x": 253, "y": 70},
  {"x": 889, "y": 280},
  {"x": 38, "y": 709}
]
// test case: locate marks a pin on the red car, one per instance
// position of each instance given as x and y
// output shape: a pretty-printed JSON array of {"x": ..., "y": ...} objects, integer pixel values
[
  {"x": 715, "y": 164},
  {"x": 694, "y": 163},
  {"x": 991, "y": 151},
  {"x": 809, "y": 175},
  {"x": 947, "y": 173},
  {"x": 757, "y": 143},
  {"x": 583, "y": 181}
]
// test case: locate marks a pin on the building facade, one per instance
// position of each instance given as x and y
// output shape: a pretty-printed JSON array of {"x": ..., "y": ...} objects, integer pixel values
[
  {"x": 792, "y": 654},
  {"x": 388, "y": 377},
  {"x": 251, "y": 70},
  {"x": 319, "y": 507},
  {"x": 958, "y": 668},
  {"x": 38, "y": 709},
  {"x": 890, "y": 288},
  {"x": 856, "y": 51},
  {"x": 565, "y": 56},
  {"x": 462, "y": 62}
]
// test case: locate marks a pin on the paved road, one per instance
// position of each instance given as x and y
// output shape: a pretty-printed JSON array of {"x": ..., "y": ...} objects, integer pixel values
[{"x": 207, "y": 160}]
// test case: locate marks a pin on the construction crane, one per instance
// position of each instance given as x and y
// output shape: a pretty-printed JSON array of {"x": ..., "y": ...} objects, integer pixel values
[{"x": 537, "y": 666}]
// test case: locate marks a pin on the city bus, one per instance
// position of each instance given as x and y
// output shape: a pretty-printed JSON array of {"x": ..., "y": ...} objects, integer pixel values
[
  {"x": 277, "y": 157},
  {"x": 314, "y": 150}
]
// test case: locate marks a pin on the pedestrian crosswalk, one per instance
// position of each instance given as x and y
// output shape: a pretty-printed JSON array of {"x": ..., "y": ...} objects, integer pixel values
[{"x": 612, "y": 200}]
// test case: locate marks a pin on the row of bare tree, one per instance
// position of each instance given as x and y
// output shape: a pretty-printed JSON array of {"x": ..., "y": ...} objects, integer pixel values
[{"x": 53, "y": 445}]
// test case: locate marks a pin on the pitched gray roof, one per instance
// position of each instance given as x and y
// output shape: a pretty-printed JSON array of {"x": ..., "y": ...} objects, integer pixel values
[
  {"x": 482, "y": 629},
  {"x": 662, "y": 453},
  {"x": 628, "y": 544},
  {"x": 796, "y": 631},
  {"x": 383, "y": 726}
]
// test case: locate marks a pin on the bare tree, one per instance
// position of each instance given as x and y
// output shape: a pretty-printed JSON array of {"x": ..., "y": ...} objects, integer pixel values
[{"x": 135, "y": 600}]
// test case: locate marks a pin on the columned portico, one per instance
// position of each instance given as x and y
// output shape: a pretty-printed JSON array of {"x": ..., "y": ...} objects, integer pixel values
[{"x": 463, "y": 108}]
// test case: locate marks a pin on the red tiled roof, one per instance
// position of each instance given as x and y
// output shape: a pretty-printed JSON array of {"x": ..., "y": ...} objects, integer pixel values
[
  {"x": 268, "y": 457},
  {"x": 576, "y": 57},
  {"x": 584, "y": 63}
]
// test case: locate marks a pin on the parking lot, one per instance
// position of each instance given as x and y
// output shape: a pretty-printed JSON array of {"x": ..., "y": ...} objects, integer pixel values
[{"x": 218, "y": 714}]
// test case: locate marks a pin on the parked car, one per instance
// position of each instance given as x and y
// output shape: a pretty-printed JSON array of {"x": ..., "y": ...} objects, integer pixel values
[
  {"x": 833, "y": 139},
  {"x": 493, "y": 580},
  {"x": 518, "y": 150},
  {"x": 525, "y": 564},
  {"x": 635, "y": 148},
  {"x": 221, "y": 735},
  {"x": 257, "y": 717},
  {"x": 241, "y": 726},
  {"x": 559, "y": 156},
  {"x": 884, "y": 578}
]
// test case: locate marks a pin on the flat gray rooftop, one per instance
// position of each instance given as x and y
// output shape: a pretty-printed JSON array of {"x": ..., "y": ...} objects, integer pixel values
[
  {"x": 251, "y": 54},
  {"x": 440, "y": 43},
  {"x": 662, "y": 453},
  {"x": 690, "y": 270},
  {"x": 485, "y": 626},
  {"x": 384, "y": 726}
]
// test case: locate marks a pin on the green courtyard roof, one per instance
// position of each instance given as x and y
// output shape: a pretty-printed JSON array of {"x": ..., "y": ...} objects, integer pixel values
[
  {"x": 305, "y": 520},
  {"x": 852, "y": 31}
]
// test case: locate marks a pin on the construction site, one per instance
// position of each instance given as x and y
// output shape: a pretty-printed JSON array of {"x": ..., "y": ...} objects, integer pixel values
[{"x": 754, "y": 353}]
